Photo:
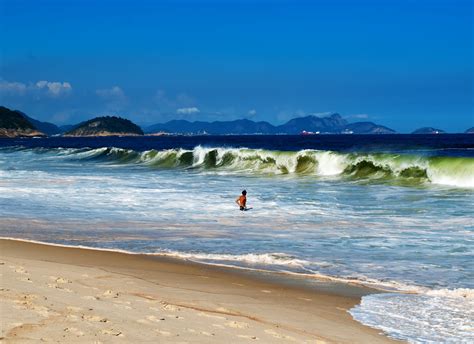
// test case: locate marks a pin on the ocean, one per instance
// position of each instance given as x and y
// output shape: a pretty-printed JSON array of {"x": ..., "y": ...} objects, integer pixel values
[{"x": 393, "y": 212}]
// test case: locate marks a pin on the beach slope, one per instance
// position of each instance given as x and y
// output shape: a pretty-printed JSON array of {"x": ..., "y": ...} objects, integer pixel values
[{"x": 53, "y": 293}]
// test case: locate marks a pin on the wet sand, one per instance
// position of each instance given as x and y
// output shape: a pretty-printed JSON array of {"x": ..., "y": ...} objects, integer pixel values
[{"x": 63, "y": 294}]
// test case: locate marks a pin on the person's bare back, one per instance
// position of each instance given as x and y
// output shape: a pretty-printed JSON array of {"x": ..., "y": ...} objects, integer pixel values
[{"x": 242, "y": 200}]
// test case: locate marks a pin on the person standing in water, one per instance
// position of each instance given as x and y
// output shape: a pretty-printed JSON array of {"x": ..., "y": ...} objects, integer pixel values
[{"x": 242, "y": 200}]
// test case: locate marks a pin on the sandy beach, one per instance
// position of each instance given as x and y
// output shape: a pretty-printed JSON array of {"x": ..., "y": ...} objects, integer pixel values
[{"x": 62, "y": 294}]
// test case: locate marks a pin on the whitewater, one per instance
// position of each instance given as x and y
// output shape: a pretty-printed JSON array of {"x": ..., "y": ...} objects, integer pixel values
[{"x": 395, "y": 218}]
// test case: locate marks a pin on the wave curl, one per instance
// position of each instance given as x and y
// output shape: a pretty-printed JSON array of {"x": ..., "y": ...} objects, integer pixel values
[{"x": 405, "y": 169}]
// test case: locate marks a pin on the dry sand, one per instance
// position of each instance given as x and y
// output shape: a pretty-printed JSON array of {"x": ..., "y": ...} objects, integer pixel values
[{"x": 72, "y": 295}]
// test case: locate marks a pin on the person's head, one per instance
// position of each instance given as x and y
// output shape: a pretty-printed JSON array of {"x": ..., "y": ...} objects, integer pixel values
[{"x": 244, "y": 192}]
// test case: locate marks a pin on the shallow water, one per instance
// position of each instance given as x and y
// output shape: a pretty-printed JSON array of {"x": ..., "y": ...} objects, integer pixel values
[{"x": 313, "y": 212}]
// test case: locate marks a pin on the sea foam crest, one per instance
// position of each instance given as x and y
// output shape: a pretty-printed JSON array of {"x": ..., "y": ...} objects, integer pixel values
[
  {"x": 408, "y": 169},
  {"x": 262, "y": 259}
]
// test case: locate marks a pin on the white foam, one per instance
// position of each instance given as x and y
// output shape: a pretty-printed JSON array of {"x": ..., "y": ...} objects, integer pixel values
[
  {"x": 463, "y": 181},
  {"x": 279, "y": 259},
  {"x": 434, "y": 317},
  {"x": 463, "y": 293},
  {"x": 330, "y": 164}
]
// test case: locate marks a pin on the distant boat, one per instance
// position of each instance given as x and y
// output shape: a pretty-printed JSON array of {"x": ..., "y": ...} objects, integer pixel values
[{"x": 304, "y": 132}]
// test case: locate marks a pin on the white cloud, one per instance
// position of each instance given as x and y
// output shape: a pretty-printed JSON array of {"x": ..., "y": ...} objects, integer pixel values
[
  {"x": 12, "y": 87},
  {"x": 52, "y": 88},
  {"x": 252, "y": 112},
  {"x": 188, "y": 110},
  {"x": 111, "y": 93}
]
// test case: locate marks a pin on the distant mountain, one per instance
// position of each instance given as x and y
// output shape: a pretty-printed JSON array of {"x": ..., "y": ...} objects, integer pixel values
[
  {"x": 428, "y": 130},
  {"x": 14, "y": 124},
  {"x": 45, "y": 127},
  {"x": 240, "y": 126},
  {"x": 106, "y": 126},
  {"x": 66, "y": 127},
  {"x": 367, "y": 128},
  {"x": 470, "y": 131},
  {"x": 331, "y": 124}
]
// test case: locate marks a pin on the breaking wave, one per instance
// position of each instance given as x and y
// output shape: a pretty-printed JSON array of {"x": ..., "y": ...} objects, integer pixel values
[{"x": 406, "y": 169}]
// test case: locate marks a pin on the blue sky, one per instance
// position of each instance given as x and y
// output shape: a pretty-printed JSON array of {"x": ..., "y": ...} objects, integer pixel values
[{"x": 404, "y": 63}]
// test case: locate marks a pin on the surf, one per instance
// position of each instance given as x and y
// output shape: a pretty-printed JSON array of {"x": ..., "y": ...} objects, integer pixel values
[{"x": 404, "y": 169}]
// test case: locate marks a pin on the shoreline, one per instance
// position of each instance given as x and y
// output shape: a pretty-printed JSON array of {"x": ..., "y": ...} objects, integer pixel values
[
  {"x": 302, "y": 277},
  {"x": 43, "y": 282}
]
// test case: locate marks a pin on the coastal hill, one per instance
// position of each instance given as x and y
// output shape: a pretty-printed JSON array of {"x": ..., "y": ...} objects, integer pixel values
[
  {"x": 240, "y": 126},
  {"x": 45, "y": 127},
  {"x": 428, "y": 130},
  {"x": 333, "y": 124},
  {"x": 14, "y": 124},
  {"x": 106, "y": 126},
  {"x": 368, "y": 128},
  {"x": 312, "y": 123}
]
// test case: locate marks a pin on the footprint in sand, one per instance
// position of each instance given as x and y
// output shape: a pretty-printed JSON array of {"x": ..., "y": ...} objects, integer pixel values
[
  {"x": 279, "y": 336},
  {"x": 111, "y": 293},
  {"x": 168, "y": 307},
  {"x": 89, "y": 297},
  {"x": 163, "y": 333},
  {"x": 21, "y": 270},
  {"x": 73, "y": 309},
  {"x": 155, "y": 319},
  {"x": 44, "y": 311},
  {"x": 74, "y": 331},
  {"x": 25, "y": 301},
  {"x": 247, "y": 337},
  {"x": 237, "y": 324},
  {"x": 26, "y": 279},
  {"x": 60, "y": 280},
  {"x": 72, "y": 317},
  {"x": 143, "y": 321},
  {"x": 94, "y": 318},
  {"x": 112, "y": 332},
  {"x": 57, "y": 286}
]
